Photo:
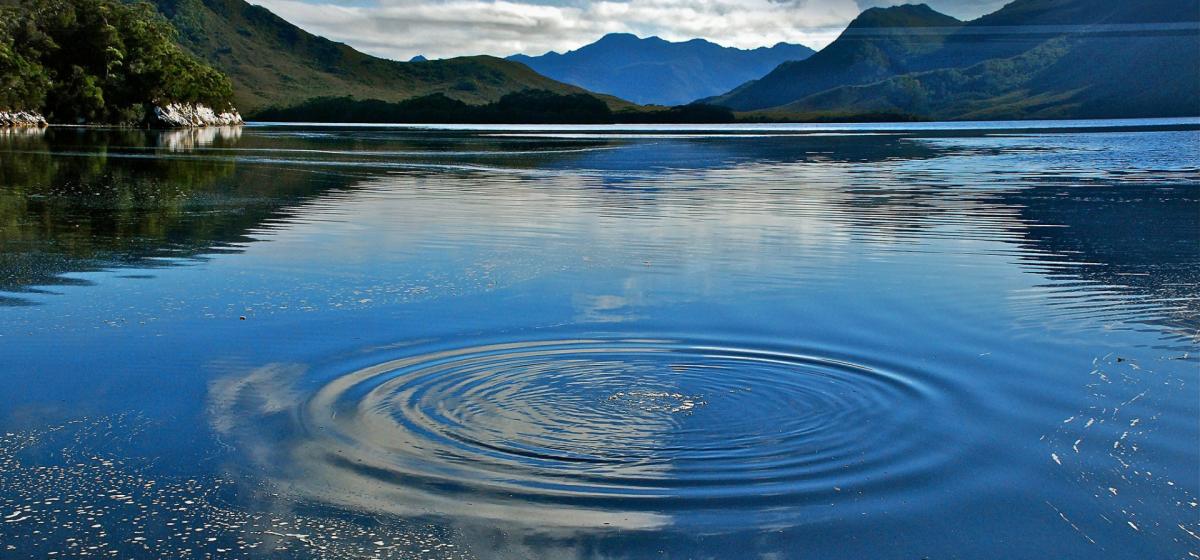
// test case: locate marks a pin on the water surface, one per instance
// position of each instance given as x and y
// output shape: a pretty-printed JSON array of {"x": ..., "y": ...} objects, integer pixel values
[{"x": 934, "y": 340}]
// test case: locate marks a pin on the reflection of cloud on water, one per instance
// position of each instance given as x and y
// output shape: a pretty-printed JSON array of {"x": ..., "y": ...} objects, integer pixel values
[
  {"x": 261, "y": 415},
  {"x": 611, "y": 308},
  {"x": 188, "y": 139},
  {"x": 264, "y": 393},
  {"x": 602, "y": 308}
]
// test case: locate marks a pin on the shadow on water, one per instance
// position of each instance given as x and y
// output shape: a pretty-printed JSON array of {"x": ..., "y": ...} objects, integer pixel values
[
  {"x": 84, "y": 200},
  {"x": 1137, "y": 241}
]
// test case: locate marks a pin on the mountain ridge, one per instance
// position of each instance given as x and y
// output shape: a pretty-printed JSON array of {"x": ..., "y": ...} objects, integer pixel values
[
  {"x": 655, "y": 71},
  {"x": 1029, "y": 59},
  {"x": 272, "y": 62},
  {"x": 871, "y": 47}
]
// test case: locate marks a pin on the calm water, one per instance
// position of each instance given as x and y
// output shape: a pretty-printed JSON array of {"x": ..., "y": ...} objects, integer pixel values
[{"x": 779, "y": 342}]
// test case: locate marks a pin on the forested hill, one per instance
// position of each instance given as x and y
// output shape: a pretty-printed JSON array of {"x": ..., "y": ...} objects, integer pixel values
[
  {"x": 275, "y": 63},
  {"x": 98, "y": 61}
]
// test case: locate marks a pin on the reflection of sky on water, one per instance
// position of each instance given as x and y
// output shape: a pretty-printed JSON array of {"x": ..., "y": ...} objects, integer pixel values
[
  {"x": 240, "y": 405},
  {"x": 1053, "y": 273}
]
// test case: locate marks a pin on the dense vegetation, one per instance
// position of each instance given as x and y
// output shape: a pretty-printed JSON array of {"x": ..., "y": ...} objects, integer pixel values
[
  {"x": 693, "y": 113},
  {"x": 530, "y": 106},
  {"x": 98, "y": 61},
  {"x": 1030, "y": 59},
  {"x": 275, "y": 64}
]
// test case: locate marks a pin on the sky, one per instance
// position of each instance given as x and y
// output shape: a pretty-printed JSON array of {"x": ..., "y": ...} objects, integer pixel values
[{"x": 401, "y": 29}]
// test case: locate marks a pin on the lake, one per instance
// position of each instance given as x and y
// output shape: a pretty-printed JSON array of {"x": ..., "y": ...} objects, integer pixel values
[{"x": 968, "y": 340}]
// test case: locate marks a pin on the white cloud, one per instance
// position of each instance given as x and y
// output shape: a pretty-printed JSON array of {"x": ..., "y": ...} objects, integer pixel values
[{"x": 400, "y": 29}]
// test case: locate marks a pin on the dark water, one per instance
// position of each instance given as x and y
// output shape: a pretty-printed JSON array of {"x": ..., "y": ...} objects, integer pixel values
[{"x": 959, "y": 341}]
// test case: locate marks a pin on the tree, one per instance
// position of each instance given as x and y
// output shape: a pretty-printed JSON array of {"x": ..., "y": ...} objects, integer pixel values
[{"x": 102, "y": 61}]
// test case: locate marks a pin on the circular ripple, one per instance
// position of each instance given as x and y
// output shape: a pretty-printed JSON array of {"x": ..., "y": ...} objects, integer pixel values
[{"x": 651, "y": 424}]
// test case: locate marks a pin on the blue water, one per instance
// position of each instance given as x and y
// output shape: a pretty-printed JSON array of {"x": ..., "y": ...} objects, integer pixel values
[{"x": 790, "y": 341}]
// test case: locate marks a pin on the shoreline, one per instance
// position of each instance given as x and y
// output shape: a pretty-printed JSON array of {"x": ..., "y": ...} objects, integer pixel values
[
  {"x": 740, "y": 126},
  {"x": 783, "y": 127},
  {"x": 22, "y": 119},
  {"x": 173, "y": 116}
]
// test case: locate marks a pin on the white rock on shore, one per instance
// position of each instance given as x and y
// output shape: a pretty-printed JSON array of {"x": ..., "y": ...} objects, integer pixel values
[
  {"x": 12, "y": 119},
  {"x": 184, "y": 115}
]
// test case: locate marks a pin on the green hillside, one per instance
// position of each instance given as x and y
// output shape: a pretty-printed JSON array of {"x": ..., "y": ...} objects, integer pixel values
[{"x": 275, "y": 63}]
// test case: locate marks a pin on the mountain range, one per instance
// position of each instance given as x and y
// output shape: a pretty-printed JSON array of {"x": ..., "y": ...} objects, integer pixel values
[
  {"x": 1030, "y": 59},
  {"x": 653, "y": 71}
]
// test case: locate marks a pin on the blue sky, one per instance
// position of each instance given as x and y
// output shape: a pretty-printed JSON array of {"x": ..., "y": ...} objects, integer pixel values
[{"x": 400, "y": 29}]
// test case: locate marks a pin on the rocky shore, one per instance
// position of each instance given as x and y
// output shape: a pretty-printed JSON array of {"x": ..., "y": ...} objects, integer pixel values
[
  {"x": 188, "y": 115},
  {"x": 21, "y": 119},
  {"x": 175, "y": 115}
]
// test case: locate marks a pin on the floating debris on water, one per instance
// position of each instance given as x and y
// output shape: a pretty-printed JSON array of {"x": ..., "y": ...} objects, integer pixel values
[
  {"x": 80, "y": 500},
  {"x": 659, "y": 400},
  {"x": 1118, "y": 473}
]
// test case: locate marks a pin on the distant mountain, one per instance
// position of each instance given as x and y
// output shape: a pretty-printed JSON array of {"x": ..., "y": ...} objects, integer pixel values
[
  {"x": 274, "y": 63},
  {"x": 655, "y": 71},
  {"x": 1030, "y": 59}
]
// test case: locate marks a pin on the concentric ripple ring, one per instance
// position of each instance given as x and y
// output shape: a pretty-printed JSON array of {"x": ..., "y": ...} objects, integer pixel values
[{"x": 648, "y": 425}]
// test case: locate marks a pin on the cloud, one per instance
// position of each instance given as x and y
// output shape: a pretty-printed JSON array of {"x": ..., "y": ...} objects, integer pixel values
[{"x": 401, "y": 29}]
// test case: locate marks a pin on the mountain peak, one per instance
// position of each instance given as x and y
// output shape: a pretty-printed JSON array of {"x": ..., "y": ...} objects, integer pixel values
[
  {"x": 876, "y": 45},
  {"x": 907, "y": 15},
  {"x": 619, "y": 38}
]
